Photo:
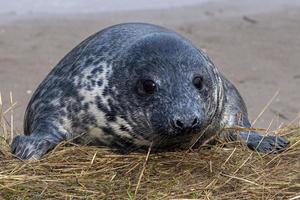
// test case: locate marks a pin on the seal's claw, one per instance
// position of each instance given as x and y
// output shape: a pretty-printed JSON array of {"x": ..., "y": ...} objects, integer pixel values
[
  {"x": 29, "y": 147},
  {"x": 268, "y": 144}
]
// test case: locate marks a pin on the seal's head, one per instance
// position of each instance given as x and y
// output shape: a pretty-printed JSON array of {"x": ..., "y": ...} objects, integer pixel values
[{"x": 166, "y": 88}]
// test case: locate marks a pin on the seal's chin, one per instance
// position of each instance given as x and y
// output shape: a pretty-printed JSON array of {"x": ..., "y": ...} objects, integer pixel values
[
  {"x": 184, "y": 132},
  {"x": 174, "y": 139}
]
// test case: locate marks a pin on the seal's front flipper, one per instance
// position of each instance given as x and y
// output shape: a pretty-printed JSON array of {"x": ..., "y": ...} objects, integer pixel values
[
  {"x": 264, "y": 144},
  {"x": 235, "y": 114},
  {"x": 31, "y": 147}
]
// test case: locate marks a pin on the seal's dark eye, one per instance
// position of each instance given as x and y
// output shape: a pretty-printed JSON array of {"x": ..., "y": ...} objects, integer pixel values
[
  {"x": 147, "y": 87},
  {"x": 198, "y": 82}
]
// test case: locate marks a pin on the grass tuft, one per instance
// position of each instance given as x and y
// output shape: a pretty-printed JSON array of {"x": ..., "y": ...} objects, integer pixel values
[{"x": 228, "y": 171}]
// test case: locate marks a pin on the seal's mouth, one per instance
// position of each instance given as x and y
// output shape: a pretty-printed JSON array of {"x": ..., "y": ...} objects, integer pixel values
[
  {"x": 183, "y": 139},
  {"x": 183, "y": 132},
  {"x": 174, "y": 140}
]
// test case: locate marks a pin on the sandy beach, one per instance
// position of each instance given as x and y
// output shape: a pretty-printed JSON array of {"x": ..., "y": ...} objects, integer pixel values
[{"x": 256, "y": 46}]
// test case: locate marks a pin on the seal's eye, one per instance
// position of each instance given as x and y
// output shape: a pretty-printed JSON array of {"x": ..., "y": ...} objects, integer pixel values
[
  {"x": 146, "y": 87},
  {"x": 149, "y": 86},
  {"x": 198, "y": 82}
]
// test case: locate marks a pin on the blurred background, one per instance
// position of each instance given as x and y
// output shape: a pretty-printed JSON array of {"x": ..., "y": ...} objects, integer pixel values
[{"x": 255, "y": 43}]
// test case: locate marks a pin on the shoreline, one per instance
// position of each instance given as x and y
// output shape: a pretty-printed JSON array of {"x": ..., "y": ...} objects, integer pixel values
[{"x": 17, "y": 11}]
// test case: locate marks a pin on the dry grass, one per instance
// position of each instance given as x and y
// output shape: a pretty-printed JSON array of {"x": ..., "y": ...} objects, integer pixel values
[{"x": 80, "y": 172}]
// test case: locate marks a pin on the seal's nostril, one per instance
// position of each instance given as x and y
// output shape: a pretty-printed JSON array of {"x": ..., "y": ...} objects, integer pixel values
[
  {"x": 195, "y": 122},
  {"x": 179, "y": 124}
]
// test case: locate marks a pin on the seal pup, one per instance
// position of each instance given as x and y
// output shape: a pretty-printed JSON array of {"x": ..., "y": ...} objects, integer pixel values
[{"x": 133, "y": 85}]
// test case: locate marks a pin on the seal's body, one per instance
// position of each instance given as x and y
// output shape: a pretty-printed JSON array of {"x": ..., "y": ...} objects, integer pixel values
[{"x": 134, "y": 85}]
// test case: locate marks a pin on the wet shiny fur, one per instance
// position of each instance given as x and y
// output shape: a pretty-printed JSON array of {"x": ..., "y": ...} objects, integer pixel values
[{"x": 95, "y": 96}]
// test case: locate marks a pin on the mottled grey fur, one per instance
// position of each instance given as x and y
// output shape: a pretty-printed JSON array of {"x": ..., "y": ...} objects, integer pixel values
[{"x": 94, "y": 96}]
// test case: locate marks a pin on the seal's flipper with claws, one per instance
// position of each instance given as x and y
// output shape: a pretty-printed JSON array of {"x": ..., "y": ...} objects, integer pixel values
[
  {"x": 33, "y": 146},
  {"x": 235, "y": 115}
]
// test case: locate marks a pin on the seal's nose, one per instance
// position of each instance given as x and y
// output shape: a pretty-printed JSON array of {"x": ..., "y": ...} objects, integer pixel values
[{"x": 185, "y": 125}]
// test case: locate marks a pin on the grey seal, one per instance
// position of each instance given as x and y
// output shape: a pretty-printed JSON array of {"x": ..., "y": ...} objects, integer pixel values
[{"x": 133, "y": 85}]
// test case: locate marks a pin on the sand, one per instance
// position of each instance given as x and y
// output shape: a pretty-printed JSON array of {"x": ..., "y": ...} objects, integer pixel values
[{"x": 258, "y": 49}]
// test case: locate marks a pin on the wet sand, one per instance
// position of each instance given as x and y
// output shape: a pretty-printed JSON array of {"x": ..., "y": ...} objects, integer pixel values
[{"x": 258, "y": 51}]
